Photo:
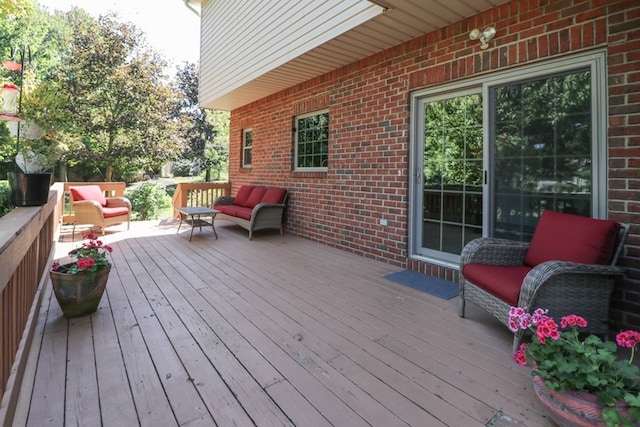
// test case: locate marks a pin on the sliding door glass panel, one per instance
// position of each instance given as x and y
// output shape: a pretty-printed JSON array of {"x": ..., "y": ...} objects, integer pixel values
[
  {"x": 541, "y": 151},
  {"x": 452, "y": 185}
]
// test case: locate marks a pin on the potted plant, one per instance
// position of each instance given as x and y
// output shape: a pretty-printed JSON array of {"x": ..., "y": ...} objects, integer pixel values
[
  {"x": 30, "y": 183},
  {"x": 31, "y": 180},
  {"x": 579, "y": 379},
  {"x": 79, "y": 285}
]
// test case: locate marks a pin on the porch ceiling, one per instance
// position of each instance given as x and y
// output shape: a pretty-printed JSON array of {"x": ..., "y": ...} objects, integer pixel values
[{"x": 403, "y": 20}]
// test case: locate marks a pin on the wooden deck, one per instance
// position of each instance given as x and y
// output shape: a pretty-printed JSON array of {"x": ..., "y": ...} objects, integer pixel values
[{"x": 270, "y": 332}]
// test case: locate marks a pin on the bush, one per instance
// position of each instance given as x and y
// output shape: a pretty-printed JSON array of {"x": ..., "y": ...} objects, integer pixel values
[
  {"x": 182, "y": 167},
  {"x": 5, "y": 199},
  {"x": 148, "y": 201}
]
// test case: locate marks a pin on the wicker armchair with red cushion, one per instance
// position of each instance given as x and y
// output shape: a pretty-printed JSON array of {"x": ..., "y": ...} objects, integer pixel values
[
  {"x": 568, "y": 268},
  {"x": 90, "y": 206}
]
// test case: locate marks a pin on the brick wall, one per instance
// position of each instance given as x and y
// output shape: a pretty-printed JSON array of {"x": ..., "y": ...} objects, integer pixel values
[{"x": 369, "y": 109}]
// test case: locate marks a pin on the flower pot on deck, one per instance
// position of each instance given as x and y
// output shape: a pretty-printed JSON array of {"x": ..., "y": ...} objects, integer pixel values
[
  {"x": 79, "y": 294},
  {"x": 573, "y": 408}
]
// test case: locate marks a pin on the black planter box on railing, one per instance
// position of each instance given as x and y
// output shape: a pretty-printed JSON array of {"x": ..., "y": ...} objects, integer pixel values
[{"x": 30, "y": 189}]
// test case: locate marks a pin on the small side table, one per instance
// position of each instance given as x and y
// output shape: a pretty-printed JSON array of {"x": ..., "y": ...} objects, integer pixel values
[{"x": 197, "y": 213}]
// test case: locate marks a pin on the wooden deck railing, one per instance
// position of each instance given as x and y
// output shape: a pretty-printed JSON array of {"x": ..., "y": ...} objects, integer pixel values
[
  {"x": 27, "y": 237},
  {"x": 199, "y": 194},
  {"x": 111, "y": 189}
]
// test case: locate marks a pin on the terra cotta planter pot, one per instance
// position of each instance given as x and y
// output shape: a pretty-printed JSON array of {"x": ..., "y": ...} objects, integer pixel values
[
  {"x": 572, "y": 408},
  {"x": 79, "y": 294}
]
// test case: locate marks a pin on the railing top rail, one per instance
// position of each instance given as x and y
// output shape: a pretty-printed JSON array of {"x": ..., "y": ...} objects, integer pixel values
[
  {"x": 18, "y": 229},
  {"x": 203, "y": 185}
]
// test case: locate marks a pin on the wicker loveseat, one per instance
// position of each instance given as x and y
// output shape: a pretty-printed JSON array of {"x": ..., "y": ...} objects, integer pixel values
[
  {"x": 254, "y": 208},
  {"x": 90, "y": 206},
  {"x": 568, "y": 268}
]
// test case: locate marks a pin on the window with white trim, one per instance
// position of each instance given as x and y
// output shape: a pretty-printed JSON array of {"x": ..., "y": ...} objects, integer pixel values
[
  {"x": 247, "y": 145},
  {"x": 312, "y": 141}
]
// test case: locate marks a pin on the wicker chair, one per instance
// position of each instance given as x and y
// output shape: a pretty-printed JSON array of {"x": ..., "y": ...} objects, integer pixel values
[
  {"x": 90, "y": 206},
  {"x": 562, "y": 270}
]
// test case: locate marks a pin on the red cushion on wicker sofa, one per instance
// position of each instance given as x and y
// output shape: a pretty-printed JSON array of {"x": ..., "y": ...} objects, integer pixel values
[
  {"x": 503, "y": 281},
  {"x": 88, "y": 192},
  {"x": 243, "y": 195},
  {"x": 244, "y": 213},
  {"x": 274, "y": 195},
  {"x": 111, "y": 212},
  {"x": 254, "y": 198},
  {"x": 231, "y": 210},
  {"x": 235, "y": 210},
  {"x": 567, "y": 237}
]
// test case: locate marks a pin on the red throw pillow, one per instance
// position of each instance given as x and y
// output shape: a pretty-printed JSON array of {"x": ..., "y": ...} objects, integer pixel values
[
  {"x": 88, "y": 192},
  {"x": 243, "y": 194},
  {"x": 274, "y": 195},
  {"x": 574, "y": 238},
  {"x": 255, "y": 197}
]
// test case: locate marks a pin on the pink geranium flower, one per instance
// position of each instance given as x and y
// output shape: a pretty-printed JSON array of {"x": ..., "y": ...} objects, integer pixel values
[
  {"x": 90, "y": 257},
  {"x": 566, "y": 359}
]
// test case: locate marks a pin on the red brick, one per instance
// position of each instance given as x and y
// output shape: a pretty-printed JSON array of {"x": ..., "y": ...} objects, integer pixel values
[{"x": 370, "y": 119}]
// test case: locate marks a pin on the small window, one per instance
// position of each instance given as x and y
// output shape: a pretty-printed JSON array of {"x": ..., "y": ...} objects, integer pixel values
[
  {"x": 312, "y": 141},
  {"x": 247, "y": 144}
]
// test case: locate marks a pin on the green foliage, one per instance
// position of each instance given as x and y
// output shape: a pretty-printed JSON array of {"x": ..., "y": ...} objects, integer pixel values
[
  {"x": 117, "y": 94},
  {"x": 102, "y": 98},
  {"x": 566, "y": 362},
  {"x": 148, "y": 200},
  {"x": 15, "y": 8},
  {"x": 206, "y": 133},
  {"x": 453, "y": 142},
  {"x": 182, "y": 167},
  {"x": 5, "y": 199}
]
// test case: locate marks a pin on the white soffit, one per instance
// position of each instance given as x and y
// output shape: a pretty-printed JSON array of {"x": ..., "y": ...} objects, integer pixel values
[
  {"x": 245, "y": 40},
  {"x": 251, "y": 49}
]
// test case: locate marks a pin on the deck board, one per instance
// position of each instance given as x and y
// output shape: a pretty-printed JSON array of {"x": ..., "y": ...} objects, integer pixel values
[{"x": 270, "y": 332}]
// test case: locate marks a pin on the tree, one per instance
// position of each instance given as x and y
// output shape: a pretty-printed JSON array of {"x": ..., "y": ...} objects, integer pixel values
[
  {"x": 38, "y": 39},
  {"x": 15, "y": 8},
  {"x": 117, "y": 97},
  {"x": 205, "y": 132}
]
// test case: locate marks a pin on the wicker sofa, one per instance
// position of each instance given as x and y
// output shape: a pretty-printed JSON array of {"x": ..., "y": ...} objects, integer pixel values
[
  {"x": 254, "y": 208},
  {"x": 568, "y": 268}
]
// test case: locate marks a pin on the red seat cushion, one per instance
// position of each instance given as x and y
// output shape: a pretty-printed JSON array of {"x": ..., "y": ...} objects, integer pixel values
[
  {"x": 274, "y": 195},
  {"x": 255, "y": 197},
  {"x": 231, "y": 210},
  {"x": 243, "y": 195},
  {"x": 111, "y": 212},
  {"x": 502, "y": 281},
  {"x": 244, "y": 213},
  {"x": 574, "y": 238},
  {"x": 88, "y": 192}
]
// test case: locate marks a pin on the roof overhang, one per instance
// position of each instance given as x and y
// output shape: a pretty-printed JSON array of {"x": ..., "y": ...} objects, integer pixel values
[{"x": 333, "y": 37}]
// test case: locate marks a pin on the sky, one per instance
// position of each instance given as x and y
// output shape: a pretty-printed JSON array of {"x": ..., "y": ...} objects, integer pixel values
[{"x": 169, "y": 26}]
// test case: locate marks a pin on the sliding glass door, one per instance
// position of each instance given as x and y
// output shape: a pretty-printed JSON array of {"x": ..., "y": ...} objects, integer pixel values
[{"x": 490, "y": 156}]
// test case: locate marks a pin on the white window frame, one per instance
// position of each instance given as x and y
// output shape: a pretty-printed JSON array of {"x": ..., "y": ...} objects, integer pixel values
[
  {"x": 296, "y": 142},
  {"x": 246, "y": 132}
]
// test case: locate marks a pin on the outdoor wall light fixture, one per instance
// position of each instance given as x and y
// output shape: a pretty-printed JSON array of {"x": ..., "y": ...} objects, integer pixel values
[{"x": 484, "y": 36}]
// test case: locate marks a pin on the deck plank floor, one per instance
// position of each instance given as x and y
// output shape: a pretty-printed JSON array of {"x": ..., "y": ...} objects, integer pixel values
[{"x": 270, "y": 332}]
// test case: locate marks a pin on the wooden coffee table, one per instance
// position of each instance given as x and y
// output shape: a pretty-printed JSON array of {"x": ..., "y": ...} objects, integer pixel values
[{"x": 194, "y": 216}]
